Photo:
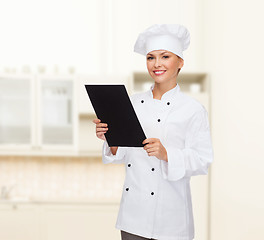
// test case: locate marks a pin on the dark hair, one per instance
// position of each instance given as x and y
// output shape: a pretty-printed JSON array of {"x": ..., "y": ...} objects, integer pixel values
[{"x": 178, "y": 71}]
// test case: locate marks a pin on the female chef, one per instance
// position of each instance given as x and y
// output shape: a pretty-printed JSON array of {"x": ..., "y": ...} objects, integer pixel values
[{"x": 156, "y": 199}]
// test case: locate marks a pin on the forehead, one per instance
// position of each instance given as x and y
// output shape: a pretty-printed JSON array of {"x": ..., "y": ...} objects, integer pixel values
[{"x": 157, "y": 52}]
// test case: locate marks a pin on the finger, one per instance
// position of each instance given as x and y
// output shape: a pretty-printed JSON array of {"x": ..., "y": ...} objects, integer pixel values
[
  {"x": 150, "y": 145},
  {"x": 148, "y": 140},
  {"x": 98, "y": 130},
  {"x": 101, "y": 129},
  {"x": 152, "y": 152},
  {"x": 100, "y": 134},
  {"x": 151, "y": 149},
  {"x": 96, "y": 120},
  {"x": 101, "y": 124}
]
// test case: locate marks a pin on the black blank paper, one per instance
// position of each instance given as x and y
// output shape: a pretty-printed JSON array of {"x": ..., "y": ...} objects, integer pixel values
[{"x": 112, "y": 105}]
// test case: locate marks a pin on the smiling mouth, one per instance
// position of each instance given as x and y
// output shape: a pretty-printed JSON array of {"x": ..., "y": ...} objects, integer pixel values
[{"x": 158, "y": 73}]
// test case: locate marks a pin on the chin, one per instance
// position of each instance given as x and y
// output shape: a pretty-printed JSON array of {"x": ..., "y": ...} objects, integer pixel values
[{"x": 159, "y": 79}]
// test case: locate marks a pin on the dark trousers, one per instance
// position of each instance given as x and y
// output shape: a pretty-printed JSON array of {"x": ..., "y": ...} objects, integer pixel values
[{"x": 130, "y": 236}]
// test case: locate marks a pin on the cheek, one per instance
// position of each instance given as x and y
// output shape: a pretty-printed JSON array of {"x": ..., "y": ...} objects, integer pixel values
[
  {"x": 149, "y": 66},
  {"x": 172, "y": 66}
]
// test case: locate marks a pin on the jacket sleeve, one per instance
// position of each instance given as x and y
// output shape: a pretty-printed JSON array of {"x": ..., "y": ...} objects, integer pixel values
[
  {"x": 108, "y": 157},
  {"x": 196, "y": 156}
]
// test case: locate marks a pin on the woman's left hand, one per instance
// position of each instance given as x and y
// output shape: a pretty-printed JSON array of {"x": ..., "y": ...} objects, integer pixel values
[{"x": 155, "y": 148}]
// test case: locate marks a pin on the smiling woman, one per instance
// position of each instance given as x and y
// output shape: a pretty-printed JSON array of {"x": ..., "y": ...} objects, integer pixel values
[{"x": 156, "y": 200}]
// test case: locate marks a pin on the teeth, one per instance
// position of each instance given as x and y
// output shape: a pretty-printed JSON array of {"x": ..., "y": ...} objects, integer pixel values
[{"x": 159, "y": 72}]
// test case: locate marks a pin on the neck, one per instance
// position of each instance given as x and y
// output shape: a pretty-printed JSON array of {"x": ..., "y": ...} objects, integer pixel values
[{"x": 160, "y": 88}]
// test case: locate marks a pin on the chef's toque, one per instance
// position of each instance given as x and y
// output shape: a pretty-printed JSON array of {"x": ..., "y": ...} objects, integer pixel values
[{"x": 172, "y": 37}]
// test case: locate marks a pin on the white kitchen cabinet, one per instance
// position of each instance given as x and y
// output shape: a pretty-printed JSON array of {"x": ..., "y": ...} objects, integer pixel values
[
  {"x": 38, "y": 113},
  {"x": 58, "y": 221},
  {"x": 57, "y": 112},
  {"x": 16, "y": 107},
  {"x": 82, "y": 222},
  {"x": 19, "y": 221}
]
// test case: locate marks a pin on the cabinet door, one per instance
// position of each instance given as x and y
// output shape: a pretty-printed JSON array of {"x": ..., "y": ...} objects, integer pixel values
[
  {"x": 16, "y": 110},
  {"x": 18, "y": 221},
  {"x": 79, "y": 222},
  {"x": 57, "y": 114}
]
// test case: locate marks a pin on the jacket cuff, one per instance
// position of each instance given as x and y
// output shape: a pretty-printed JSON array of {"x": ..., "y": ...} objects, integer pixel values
[
  {"x": 108, "y": 157},
  {"x": 174, "y": 169}
]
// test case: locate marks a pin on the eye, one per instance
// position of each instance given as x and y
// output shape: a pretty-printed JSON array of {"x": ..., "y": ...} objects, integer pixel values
[
  {"x": 150, "y": 58},
  {"x": 166, "y": 56}
]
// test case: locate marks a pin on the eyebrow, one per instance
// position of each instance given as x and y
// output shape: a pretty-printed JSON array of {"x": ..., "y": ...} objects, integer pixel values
[{"x": 160, "y": 54}]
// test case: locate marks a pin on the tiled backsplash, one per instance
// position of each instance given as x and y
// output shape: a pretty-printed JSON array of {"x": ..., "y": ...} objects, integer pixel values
[{"x": 61, "y": 178}]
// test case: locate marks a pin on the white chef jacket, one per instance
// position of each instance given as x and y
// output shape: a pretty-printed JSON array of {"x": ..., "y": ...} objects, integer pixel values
[{"x": 156, "y": 198}]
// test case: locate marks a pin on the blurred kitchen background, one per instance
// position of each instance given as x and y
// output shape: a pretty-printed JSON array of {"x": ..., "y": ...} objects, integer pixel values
[{"x": 53, "y": 183}]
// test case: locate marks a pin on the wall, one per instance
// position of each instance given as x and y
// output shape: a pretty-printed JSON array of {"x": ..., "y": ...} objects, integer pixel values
[{"x": 234, "y": 49}]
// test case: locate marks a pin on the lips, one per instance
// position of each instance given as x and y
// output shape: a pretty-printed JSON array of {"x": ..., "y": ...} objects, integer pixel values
[{"x": 159, "y": 72}]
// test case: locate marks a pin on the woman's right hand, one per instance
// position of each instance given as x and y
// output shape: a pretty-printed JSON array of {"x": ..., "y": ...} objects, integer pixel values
[{"x": 101, "y": 128}]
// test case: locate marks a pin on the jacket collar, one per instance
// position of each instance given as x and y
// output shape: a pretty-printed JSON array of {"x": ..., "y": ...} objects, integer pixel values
[{"x": 167, "y": 95}]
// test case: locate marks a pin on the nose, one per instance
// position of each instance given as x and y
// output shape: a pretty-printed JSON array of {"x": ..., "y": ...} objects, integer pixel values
[{"x": 157, "y": 63}]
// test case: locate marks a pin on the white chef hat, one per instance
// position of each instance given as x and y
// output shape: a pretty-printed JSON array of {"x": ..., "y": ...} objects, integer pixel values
[{"x": 172, "y": 37}]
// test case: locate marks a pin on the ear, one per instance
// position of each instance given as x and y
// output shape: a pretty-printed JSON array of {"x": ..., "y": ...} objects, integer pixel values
[{"x": 181, "y": 63}]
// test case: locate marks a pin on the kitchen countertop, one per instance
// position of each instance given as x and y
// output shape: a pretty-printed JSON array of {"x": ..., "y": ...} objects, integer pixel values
[{"x": 59, "y": 201}]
